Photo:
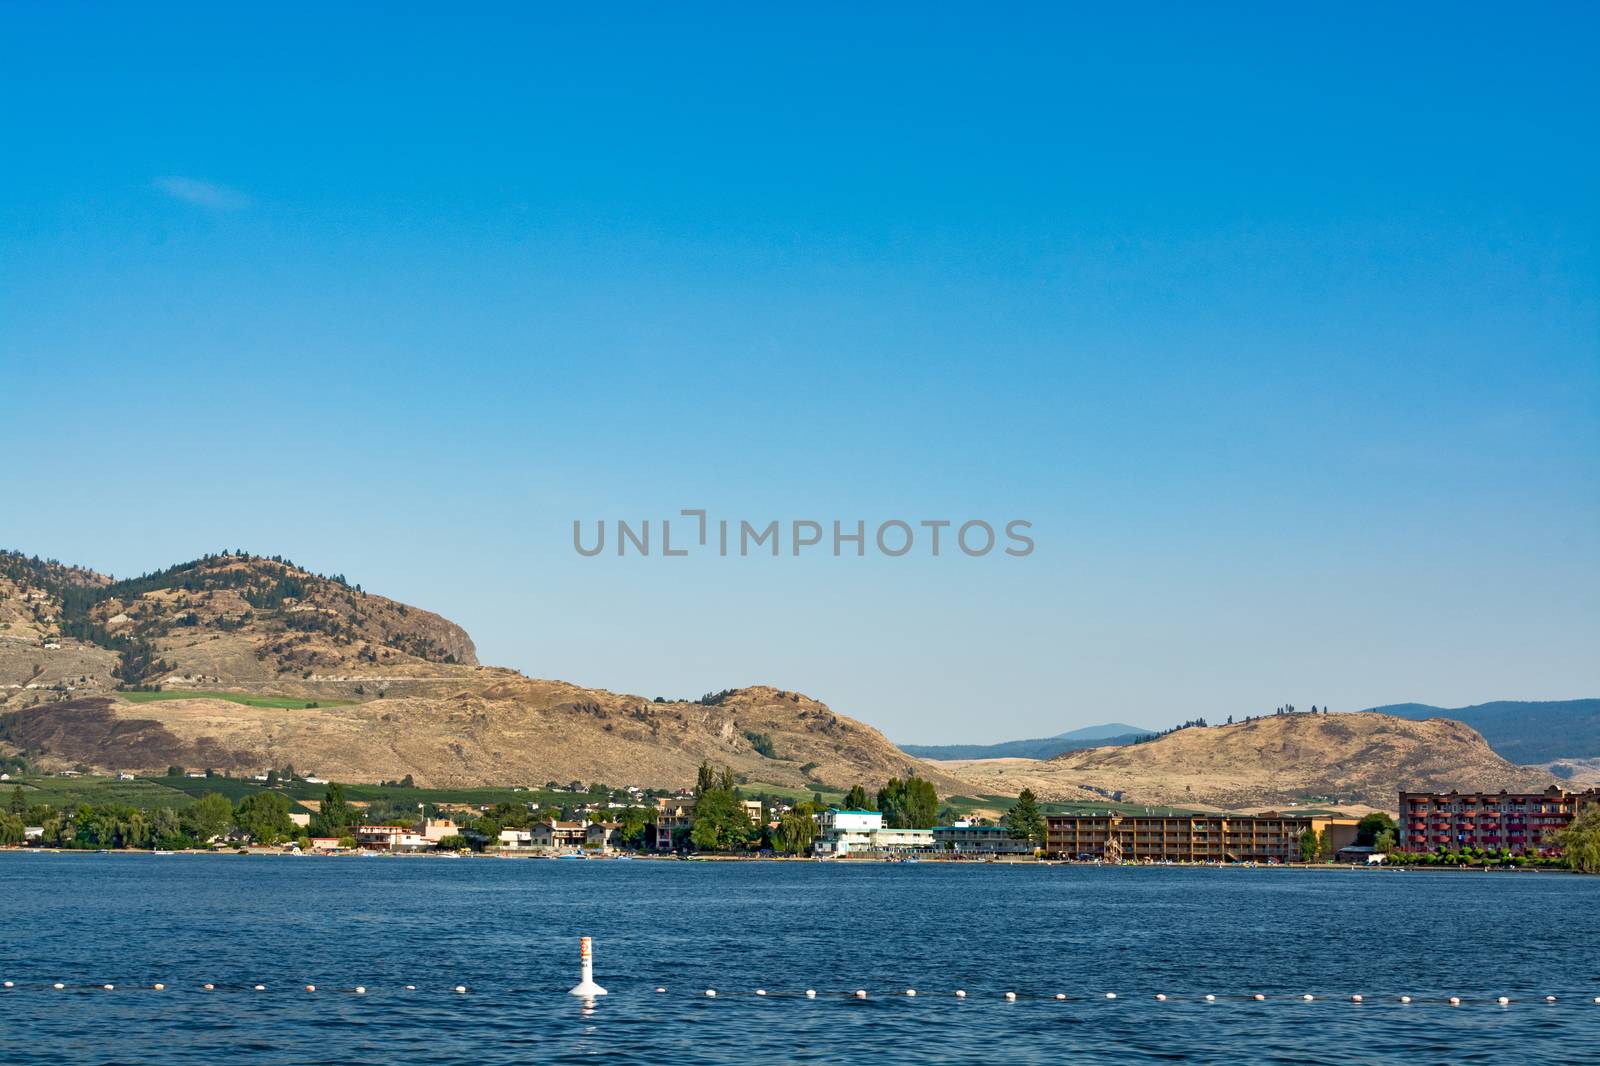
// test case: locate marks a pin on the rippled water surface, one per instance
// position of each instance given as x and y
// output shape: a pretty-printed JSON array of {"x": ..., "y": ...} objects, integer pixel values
[{"x": 507, "y": 930}]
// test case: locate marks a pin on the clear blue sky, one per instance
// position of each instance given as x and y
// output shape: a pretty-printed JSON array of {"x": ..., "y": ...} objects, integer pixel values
[{"x": 1282, "y": 329}]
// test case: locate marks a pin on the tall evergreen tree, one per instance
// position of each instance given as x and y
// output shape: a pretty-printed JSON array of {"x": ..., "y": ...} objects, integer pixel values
[{"x": 1024, "y": 820}]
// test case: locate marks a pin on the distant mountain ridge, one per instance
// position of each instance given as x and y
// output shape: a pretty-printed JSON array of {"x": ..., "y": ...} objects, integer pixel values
[
  {"x": 1110, "y": 734},
  {"x": 1523, "y": 731}
]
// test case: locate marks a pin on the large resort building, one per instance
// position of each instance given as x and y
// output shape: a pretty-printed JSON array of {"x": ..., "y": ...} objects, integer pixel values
[
  {"x": 1512, "y": 821},
  {"x": 1189, "y": 838}
]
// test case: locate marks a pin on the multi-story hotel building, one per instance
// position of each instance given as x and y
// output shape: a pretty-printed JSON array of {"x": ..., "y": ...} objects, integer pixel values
[
  {"x": 1515, "y": 821},
  {"x": 1189, "y": 838}
]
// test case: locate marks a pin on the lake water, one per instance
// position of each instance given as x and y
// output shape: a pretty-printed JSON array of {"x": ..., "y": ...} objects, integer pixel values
[{"x": 508, "y": 931}]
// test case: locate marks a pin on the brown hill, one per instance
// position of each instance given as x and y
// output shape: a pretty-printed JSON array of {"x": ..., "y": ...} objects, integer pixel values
[
  {"x": 1361, "y": 758},
  {"x": 419, "y": 703},
  {"x": 227, "y": 620},
  {"x": 512, "y": 731}
]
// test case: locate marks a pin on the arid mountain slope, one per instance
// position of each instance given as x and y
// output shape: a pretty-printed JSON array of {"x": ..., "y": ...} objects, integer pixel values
[
  {"x": 420, "y": 703},
  {"x": 1364, "y": 758},
  {"x": 510, "y": 732},
  {"x": 228, "y": 621}
]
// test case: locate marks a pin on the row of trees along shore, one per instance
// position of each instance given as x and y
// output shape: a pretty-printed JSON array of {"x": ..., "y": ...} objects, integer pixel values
[{"x": 720, "y": 823}]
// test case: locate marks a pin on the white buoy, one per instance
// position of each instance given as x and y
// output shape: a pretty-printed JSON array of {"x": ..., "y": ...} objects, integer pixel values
[
  {"x": 1455, "y": 1001},
  {"x": 1549, "y": 999},
  {"x": 1503, "y": 1000},
  {"x": 911, "y": 992},
  {"x": 587, "y": 987},
  {"x": 811, "y": 993},
  {"x": 1258, "y": 997},
  {"x": 1210, "y": 998},
  {"x": 108, "y": 988},
  {"x": 8, "y": 984},
  {"x": 159, "y": 987},
  {"x": 411, "y": 988},
  {"x": 1161, "y": 997},
  {"x": 961, "y": 993},
  {"x": 1011, "y": 997},
  {"x": 711, "y": 993},
  {"x": 461, "y": 989},
  {"x": 361, "y": 990},
  {"x": 1353, "y": 999},
  {"x": 1405, "y": 999},
  {"x": 261, "y": 988},
  {"x": 660, "y": 989},
  {"x": 311, "y": 988},
  {"x": 761, "y": 991},
  {"x": 58, "y": 984},
  {"x": 861, "y": 993},
  {"x": 208, "y": 986},
  {"x": 1061, "y": 995},
  {"x": 1308, "y": 997},
  {"x": 1111, "y": 995}
]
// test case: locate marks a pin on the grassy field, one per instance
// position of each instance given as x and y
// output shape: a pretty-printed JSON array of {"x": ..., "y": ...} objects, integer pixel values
[
  {"x": 69, "y": 791},
  {"x": 287, "y": 702}
]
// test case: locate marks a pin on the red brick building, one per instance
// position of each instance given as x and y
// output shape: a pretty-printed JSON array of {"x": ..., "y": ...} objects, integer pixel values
[{"x": 1517, "y": 822}]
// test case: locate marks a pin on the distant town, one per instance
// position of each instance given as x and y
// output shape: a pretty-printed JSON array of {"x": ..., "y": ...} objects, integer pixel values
[{"x": 903, "y": 821}]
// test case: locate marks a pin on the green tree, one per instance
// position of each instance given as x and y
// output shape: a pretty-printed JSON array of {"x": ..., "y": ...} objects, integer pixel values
[
  {"x": 335, "y": 817},
  {"x": 265, "y": 816},
  {"x": 208, "y": 817},
  {"x": 909, "y": 804},
  {"x": 1384, "y": 841},
  {"x": 794, "y": 833},
  {"x": 1580, "y": 840},
  {"x": 19, "y": 803},
  {"x": 705, "y": 780},
  {"x": 1308, "y": 846},
  {"x": 1368, "y": 828},
  {"x": 856, "y": 799},
  {"x": 12, "y": 829},
  {"x": 1024, "y": 820},
  {"x": 720, "y": 820},
  {"x": 165, "y": 826},
  {"x": 634, "y": 825}
]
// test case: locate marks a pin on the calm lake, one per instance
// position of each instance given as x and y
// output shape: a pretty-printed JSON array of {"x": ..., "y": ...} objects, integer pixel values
[{"x": 508, "y": 931}]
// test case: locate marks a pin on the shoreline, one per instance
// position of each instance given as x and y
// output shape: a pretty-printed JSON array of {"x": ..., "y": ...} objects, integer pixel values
[{"x": 863, "y": 861}]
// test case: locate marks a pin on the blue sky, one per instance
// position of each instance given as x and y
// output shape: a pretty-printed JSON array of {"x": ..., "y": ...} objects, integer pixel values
[{"x": 1282, "y": 329}]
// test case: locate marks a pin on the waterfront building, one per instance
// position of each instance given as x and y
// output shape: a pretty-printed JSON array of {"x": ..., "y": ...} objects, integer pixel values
[
  {"x": 389, "y": 838},
  {"x": 964, "y": 838},
  {"x": 1270, "y": 837},
  {"x": 436, "y": 829},
  {"x": 606, "y": 835},
  {"x": 555, "y": 834},
  {"x": 672, "y": 814},
  {"x": 1515, "y": 821},
  {"x": 514, "y": 839},
  {"x": 847, "y": 832}
]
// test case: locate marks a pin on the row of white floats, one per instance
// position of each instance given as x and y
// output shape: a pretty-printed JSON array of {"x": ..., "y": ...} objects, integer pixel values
[
  {"x": 588, "y": 989},
  {"x": 1162, "y": 997},
  {"x": 860, "y": 993}
]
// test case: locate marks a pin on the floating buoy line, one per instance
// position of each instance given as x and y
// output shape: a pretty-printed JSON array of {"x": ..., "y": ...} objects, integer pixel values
[
  {"x": 588, "y": 990},
  {"x": 844, "y": 995}
]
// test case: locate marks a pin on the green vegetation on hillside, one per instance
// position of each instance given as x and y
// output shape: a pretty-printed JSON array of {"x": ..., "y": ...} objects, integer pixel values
[{"x": 287, "y": 702}]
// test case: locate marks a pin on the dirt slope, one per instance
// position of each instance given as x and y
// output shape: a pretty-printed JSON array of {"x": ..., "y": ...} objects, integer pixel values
[{"x": 1364, "y": 758}]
